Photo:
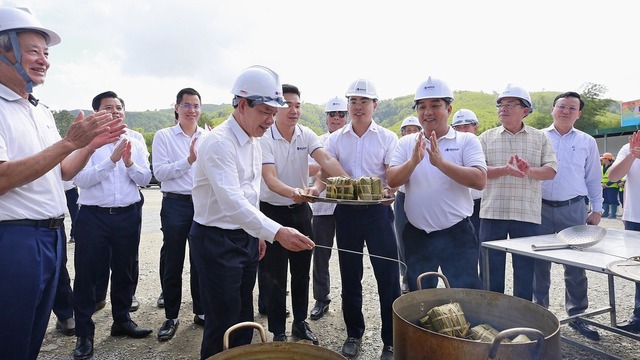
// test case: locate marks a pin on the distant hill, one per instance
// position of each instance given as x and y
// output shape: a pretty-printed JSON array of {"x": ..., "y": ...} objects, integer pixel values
[{"x": 389, "y": 113}]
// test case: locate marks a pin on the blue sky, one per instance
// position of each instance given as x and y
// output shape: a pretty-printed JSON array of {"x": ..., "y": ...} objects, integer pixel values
[{"x": 148, "y": 50}]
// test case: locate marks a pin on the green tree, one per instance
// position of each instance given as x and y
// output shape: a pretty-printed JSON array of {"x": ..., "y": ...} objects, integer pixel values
[
  {"x": 63, "y": 119},
  {"x": 595, "y": 109}
]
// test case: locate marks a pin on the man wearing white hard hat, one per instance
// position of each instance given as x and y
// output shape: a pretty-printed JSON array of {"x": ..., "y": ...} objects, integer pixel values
[
  {"x": 465, "y": 120},
  {"x": 437, "y": 168},
  {"x": 364, "y": 148},
  {"x": 519, "y": 157},
  {"x": 34, "y": 161},
  {"x": 410, "y": 125},
  {"x": 324, "y": 224},
  {"x": 228, "y": 231}
]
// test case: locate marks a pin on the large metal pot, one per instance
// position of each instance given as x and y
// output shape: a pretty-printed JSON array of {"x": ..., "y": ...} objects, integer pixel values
[
  {"x": 272, "y": 350},
  {"x": 503, "y": 312}
]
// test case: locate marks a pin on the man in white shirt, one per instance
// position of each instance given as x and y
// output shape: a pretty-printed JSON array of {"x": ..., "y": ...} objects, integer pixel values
[
  {"x": 34, "y": 161},
  {"x": 563, "y": 202},
  {"x": 324, "y": 224},
  {"x": 364, "y": 148},
  {"x": 174, "y": 155},
  {"x": 437, "y": 168},
  {"x": 227, "y": 225},
  {"x": 108, "y": 224},
  {"x": 285, "y": 172}
]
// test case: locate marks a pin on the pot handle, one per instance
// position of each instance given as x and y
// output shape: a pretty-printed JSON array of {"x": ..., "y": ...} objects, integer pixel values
[
  {"x": 225, "y": 338},
  {"x": 505, "y": 334},
  {"x": 432, "y": 273}
]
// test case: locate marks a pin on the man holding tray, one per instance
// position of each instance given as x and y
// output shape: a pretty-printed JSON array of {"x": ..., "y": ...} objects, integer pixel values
[{"x": 364, "y": 148}]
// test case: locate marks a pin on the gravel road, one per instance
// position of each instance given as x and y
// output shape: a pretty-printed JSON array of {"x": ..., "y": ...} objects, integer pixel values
[{"x": 330, "y": 329}]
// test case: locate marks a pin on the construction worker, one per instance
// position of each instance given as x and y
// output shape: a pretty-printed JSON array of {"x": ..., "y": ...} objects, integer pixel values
[{"x": 609, "y": 188}]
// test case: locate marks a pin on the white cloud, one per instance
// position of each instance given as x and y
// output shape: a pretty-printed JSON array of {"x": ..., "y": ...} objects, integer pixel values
[{"x": 148, "y": 50}]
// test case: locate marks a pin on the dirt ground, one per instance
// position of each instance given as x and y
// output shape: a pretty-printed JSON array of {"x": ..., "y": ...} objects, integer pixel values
[{"x": 330, "y": 329}]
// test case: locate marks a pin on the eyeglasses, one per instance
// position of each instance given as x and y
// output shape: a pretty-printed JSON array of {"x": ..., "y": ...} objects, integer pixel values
[
  {"x": 342, "y": 114},
  {"x": 507, "y": 105},
  {"x": 188, "y": 106},
  {"x": 568, "y": 108}
]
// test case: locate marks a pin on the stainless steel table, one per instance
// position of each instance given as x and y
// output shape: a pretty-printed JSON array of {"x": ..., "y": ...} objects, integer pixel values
[{"x": 617, "y": 245}]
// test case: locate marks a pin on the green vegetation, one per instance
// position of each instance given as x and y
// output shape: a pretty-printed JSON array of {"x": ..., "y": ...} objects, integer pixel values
[{"x": 597, "y": 114}]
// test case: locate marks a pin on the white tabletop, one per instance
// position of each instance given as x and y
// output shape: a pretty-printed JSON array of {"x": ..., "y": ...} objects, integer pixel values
[{"x": 616, "y": 245}]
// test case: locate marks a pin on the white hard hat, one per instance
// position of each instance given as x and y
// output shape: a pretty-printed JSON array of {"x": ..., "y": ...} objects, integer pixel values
[
  {"x": 518, "y": 92},
  {"x": 463, "y": 117},
  {"x": 21, "y": 19},
  {"x": 411, "y": 120},
  {"x": 336, "y": 104},
  {"x": 433, "y": 89},
  {"x": 261, "y": 84},
  {"x": 364, "y": 88}
]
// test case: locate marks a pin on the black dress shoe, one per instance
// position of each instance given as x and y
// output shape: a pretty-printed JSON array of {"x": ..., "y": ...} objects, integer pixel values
[
  {"x": 302, "y": 331},
  {"x": 387, "y": 353},
  {"x": 66, "y": 327},
  {"x": 130, "y": 329},
  {"x": 319, "y": 309},
  {"x": 84, "y": 348},
  {"x": 197, "y": 320},
  {"x": 135, "y": 304},
  {"x": 160, "y": 302},
  {"x": 100, "y": 305},
  {"x": 586, "y": 330},
  {"x": 168, "y": 329},
  {"x": 351, "y": 348},
  {"x": 630, "y": 326},
  {"x": 279, "y": 337}
]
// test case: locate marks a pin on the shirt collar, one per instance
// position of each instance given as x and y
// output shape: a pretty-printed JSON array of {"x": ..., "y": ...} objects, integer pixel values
[
  {"x": 178, "y": 130},
  {"x": 349, "y": 128},
  {"x": 276, "y": 135},
  {"x": 242, "y": 136},
  {"x": 8, "y": 94}
]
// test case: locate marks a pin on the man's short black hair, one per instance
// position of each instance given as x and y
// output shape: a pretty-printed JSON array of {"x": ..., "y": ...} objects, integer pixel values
[
  {"x": 97, "y": 100},
  {"x": 569, "y": 94},
  {"x": 290, "y": 89},
  {"x": 182, "y": 93}
]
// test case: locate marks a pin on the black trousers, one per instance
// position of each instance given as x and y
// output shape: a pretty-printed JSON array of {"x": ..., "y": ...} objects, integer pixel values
[
  {"x": 226, "y": 261},
  {"x": 176, "y": 217},
  {"x": 277, "y": 259},
  {"x": 101, "y": 234}
]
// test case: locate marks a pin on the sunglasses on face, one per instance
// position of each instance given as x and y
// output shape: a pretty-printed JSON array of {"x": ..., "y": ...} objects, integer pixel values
[{"x": 342, "y": 114}]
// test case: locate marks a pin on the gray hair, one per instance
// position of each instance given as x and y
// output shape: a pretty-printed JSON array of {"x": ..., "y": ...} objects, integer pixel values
[{"x": 5, "y": 42}]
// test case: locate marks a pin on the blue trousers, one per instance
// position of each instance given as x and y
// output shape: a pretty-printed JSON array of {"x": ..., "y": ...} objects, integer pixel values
[
  {"x": 491, "y": 229},
  {"x": 176, "y": 217},
  {"x": 324, "y": 230},
  {"x": 399, "y": 222},
  {"x": 30, "y": 261},
  {"x": 226, "y": 261},
  {"x": 373, "y": 225},
  {"x": 454, "y": 250},
  {"x": 101, "y": 235}
]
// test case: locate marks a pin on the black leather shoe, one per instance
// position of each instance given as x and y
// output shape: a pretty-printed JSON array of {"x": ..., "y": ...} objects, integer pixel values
[
  {"x": 197, "y": 320},
  {"x": 66, "y": 327},
  {"x": 630, "y": 326},
  {"x": 279, "y": 337},
  {"x": 387, "y": 353},
  {"x": 319, "y": 309},
  {"x": 586, "y": 330},
  {"x": 351, "y": 348},
  {"x": 130, "y": 329},
  {"x": 302, "y": 331},
  {"x": 168, "y": 329},
  {"x": 135, "y": 304},
  {"x": 84, "y": 348},
  {"x": 160, "y": 302},
  {"x": 100, "y": 305}
]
